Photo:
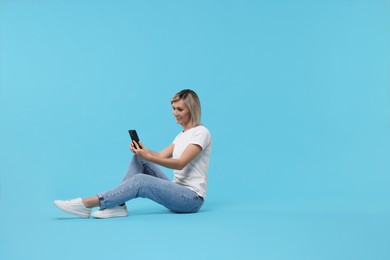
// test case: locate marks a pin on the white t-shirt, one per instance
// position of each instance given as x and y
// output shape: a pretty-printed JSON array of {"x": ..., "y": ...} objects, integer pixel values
[{"x": 194, "y": 174}]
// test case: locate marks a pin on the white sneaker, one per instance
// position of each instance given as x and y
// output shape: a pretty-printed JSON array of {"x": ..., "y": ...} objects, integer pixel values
[
  {"x": 74, "y": 207},
  {"x": 118, "y": 211}
]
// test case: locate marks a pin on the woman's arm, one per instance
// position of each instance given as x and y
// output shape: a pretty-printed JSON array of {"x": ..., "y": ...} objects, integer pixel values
[
  {"x": 163, "y": 158},
  {"x": 165, "y": 153}
]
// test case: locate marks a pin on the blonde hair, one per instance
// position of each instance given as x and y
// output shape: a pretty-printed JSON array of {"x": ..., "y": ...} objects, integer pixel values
[{"x": 192, "y": 102}]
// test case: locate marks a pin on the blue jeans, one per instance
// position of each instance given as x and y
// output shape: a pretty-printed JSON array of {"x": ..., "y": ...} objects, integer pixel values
[{"x": 145, "y": 179}]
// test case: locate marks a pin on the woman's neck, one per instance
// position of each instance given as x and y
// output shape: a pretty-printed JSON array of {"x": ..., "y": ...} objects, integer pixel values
[{"x": 187, "y": 127}]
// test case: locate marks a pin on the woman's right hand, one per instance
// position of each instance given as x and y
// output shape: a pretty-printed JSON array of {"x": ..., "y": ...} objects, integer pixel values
[
  {"x": 132, "y": 147},
  {"x": 137, "y": 147}
]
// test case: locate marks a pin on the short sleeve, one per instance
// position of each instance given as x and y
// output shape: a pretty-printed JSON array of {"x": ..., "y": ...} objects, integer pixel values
[{"x": 201, "y": 137}]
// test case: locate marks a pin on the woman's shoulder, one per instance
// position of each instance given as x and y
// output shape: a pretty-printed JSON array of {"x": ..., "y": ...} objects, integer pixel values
[{"x": 201, "y": 129}]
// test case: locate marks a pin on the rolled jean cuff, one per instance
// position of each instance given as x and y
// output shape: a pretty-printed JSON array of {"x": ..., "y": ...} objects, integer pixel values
[{"x": 102, "y": 202}]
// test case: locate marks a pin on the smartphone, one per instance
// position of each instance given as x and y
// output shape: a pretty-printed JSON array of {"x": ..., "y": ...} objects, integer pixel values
[{"x": 134, "y": 136}]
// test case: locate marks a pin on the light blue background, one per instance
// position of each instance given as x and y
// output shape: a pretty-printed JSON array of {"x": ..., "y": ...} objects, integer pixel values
[{"x": 296, "y": 95}]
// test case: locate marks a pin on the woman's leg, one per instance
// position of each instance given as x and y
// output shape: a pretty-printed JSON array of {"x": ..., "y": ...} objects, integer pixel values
[
  {"x": 91, "y": 202},
  {"x": 82, "y": 206},
  {"x": 173, "y": 196},
  {"x": 139, "y": 165},
  {"x": 136, "y": 166}
]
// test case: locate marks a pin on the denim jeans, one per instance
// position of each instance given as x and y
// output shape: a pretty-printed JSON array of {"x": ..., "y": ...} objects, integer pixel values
[{"x": 145, "y": 179}]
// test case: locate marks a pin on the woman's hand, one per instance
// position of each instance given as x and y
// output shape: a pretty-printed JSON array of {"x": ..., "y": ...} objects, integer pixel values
[{"x": 140, "y": 150}]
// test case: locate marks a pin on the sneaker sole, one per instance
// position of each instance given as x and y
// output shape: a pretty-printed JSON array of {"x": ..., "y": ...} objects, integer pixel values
[
  {"x": 76, "y": 213},
  {"x": 110, "y": 215}
]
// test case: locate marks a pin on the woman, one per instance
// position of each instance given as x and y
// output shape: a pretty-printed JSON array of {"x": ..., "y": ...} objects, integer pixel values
[{"x": 188, "y": 155}]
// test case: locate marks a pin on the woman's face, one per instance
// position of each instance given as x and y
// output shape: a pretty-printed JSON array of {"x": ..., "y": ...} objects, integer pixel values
[{"x": 181, "y": 112}]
